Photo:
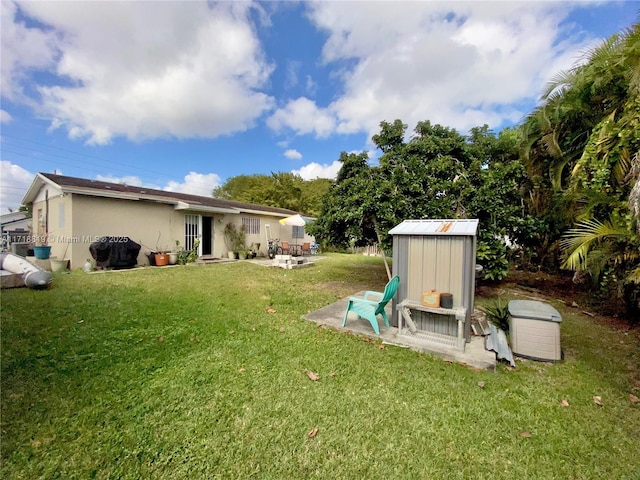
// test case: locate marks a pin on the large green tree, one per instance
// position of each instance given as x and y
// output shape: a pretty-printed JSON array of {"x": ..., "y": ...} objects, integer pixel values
[
  {"x": 281, "y": 189},
  {"x": 437, "y": 173},
  {"x": 349, "y": 214}
]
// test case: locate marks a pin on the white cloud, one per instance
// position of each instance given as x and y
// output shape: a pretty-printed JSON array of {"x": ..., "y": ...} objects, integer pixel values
[
  {"x": 459, "y": 64},
  {"x": 315, "y": 170},
  {"x": 23, "y": 50},
  {"x": 303, "y": 116},
  {"x": 5, "y": 117},
  {"x": 311, "y": 87},
  {"x": 140, "y": 70},
  {"x": 293, "y": 154},
  {"x": 291, "y": 75},
  {"x": 195, "y": 184},
  {"x": 131, "y": 180},
  {"x": 14, "y": 182}
]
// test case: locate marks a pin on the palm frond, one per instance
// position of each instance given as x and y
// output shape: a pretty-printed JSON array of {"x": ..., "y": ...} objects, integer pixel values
[
  {"x": 634, "y": 275},
  {"x": 579, "y": 241},
  {"x": 634, "y": 195},
  {"x": 555, "y": 172},
  {"x": 559, "y": 84}
]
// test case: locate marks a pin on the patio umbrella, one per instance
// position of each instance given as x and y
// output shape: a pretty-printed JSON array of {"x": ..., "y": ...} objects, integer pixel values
[{"x": 296, "y": 220}]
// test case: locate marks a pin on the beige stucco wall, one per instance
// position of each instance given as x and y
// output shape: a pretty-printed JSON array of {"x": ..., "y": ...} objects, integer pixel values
[
  {"x": 52, "y": 223},
  {"x": 154, "y": 226},
  {"x": 268, "y": 224},
  {"x": 75, "y": 221}
]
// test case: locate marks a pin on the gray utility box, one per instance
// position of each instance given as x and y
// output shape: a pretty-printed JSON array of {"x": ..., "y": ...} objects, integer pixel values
[{"x": 534, "y": 329}]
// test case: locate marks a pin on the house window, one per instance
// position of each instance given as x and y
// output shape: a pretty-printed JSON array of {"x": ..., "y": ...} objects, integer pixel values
[
  {"x": 298, "y": 232},
  {"x": 251, "y": 225}
]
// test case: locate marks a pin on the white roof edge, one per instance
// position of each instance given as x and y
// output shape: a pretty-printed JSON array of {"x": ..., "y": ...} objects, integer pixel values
[
  {"x": 201, "y": 208},
  {"x": 101, "y": 193},
  {"x": 264, "y": 212},
  {"x": 36, "y": 184}
]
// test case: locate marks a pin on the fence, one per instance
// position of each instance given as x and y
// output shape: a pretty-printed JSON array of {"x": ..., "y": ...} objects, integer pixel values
[{"x": 369, "y": 250}]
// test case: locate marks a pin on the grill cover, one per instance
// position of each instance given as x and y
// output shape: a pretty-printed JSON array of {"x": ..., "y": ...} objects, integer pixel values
[{"x": 115, "y": 252}]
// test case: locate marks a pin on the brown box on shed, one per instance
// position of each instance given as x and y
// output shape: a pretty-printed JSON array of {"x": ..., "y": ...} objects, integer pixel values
[{"x": 431, "y": 299}]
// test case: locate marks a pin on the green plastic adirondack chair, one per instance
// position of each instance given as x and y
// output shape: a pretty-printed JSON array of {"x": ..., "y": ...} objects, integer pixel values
[{"x": 369, "y": 309}]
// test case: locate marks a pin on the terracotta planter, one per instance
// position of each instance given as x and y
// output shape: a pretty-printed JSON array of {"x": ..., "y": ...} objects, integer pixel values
[{"x": 162, "y": 259}]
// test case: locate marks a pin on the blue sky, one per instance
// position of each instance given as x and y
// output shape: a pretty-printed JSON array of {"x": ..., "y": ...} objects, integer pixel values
[{"x": 184, "y": 95}]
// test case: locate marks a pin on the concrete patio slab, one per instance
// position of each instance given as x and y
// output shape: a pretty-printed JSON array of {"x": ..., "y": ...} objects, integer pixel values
[{"x": 475, "y": 355}]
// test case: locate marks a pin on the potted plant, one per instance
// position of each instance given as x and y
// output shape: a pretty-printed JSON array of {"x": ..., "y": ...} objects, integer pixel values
[
  {"x": 230, "y": 233},
  {"x": 161, "y": 255},
  {"x": 173, "y": 255},
  {"x": 60, "y": 264},
  {"x": 42, "y": 249},
  {"x": 234, "y": 239},
  {"x": 151, "y": 256},
  {"x": 240, "y": 248},
  {"x": 162, "y": 259},
  {"x": 498, "y": 314}
]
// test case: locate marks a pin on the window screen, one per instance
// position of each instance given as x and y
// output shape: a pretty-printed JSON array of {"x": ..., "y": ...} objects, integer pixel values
[
  {"x": 251, "y": 225},
  {"x": 298, "y": 232}
]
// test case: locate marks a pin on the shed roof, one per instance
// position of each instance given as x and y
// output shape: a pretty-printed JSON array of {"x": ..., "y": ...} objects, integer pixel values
[{"x": 436, "y": 227}]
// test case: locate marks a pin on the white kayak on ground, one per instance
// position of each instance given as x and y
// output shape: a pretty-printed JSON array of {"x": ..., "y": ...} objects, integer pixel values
[{"x": 32, "y": 275}]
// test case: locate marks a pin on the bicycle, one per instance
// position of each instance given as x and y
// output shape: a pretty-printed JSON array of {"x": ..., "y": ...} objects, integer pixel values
[{"x": 274, "y": 248}]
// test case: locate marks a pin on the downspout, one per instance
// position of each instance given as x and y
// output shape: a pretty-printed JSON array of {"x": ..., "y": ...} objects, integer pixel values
[{"x": 46, "y": 216}]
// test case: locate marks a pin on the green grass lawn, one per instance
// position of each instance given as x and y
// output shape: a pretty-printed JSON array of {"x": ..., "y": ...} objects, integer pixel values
[{"x": 199, "y": 372}]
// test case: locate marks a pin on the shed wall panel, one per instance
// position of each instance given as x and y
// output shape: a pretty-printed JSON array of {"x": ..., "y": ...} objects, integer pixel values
[
  {"x": 399, "y": 267},
  {"x": 442, "y": 264},
  {"x": 443, "y": 324}
]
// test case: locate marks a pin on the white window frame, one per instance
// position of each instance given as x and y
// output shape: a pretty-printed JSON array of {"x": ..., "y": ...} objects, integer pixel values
[
  {"x": 192, "y": 229},
  {"x": 251, "y": 225}
]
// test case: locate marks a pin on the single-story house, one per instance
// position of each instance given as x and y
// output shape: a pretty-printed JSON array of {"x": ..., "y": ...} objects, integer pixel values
[
  {"x": 71, "y": 213},
  {"x": 14, "y": 228}
]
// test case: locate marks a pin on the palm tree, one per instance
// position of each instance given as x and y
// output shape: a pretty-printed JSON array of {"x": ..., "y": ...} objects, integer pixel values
[{"x": 585, "y": 138}]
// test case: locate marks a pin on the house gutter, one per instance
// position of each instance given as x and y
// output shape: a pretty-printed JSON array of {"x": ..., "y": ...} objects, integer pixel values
[
  {"x": 100, "y": 193},
  {"x": 201, "y": 208},
  {"x": 262, "y": 212}
]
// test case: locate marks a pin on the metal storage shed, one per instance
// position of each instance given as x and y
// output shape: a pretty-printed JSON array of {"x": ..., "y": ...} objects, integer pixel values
[{"x": 435, "y": 255}]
